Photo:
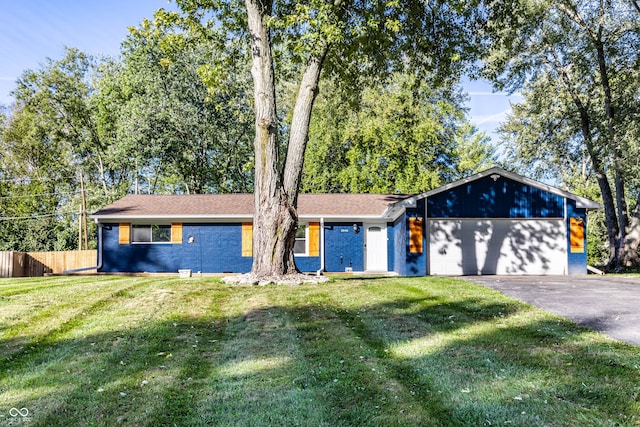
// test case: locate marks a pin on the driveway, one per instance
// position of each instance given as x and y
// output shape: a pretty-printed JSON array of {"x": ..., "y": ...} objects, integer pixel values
[{"x": 610, "y": 305}]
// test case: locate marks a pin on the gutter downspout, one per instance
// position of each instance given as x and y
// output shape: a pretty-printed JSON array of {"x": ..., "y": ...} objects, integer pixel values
[
  {"x": 319, "y": 272},
  {"x": 97, "y": 267}
]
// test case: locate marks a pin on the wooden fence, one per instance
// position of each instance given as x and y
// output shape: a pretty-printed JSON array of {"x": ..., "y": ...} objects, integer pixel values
[{"x": 35, "y": 264}]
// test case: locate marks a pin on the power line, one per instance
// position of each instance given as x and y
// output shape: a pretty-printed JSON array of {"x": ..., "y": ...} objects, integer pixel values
[
  {"x": 18, "y": 218},
  {"x": 28, "y": 179},
  {"x": 39, "y": 195}
]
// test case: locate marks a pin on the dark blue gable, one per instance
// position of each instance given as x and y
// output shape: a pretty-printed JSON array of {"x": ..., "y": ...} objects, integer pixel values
[{"x": 500, "y": 198}]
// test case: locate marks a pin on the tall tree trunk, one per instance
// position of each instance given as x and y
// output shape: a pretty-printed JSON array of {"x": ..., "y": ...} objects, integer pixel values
[
  {"x": 605, "y": 188},
  {"x": 275, "y": 193},
  {"x": 633, "y": 236},
  {"x": 624, "y": 251},
  {"x": 611, "y": 219},
  {"x": 623, "y": 256},
  {"x": 275, "y": 218},
  {"x": 300, "y": 120}
]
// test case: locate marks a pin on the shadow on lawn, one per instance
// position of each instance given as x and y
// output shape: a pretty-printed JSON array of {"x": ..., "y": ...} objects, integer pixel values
[
  {"x": 324, "y": 365},
  {"x": 549, "y": 361},
  {"x": 106, "y": 378}
]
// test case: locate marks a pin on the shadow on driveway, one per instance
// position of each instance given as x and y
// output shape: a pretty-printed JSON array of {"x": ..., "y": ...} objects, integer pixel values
[{"x": 610, "y": 305}]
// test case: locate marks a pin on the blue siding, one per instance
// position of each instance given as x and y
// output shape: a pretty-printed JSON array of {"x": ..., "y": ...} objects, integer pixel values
[
  {"x": 577, "y": 262},
  {"x": 216, "y": 249},
  {"x": 217, "y": 246},
  {"x": 343, "y": 247},
  {"x": 391, "y": 256},
  {"x": 416, "y": 263},
  {"x": 308, "y": 264},
  {"x": 397, "y": 248},
  {"x": 504, "y": 198}
]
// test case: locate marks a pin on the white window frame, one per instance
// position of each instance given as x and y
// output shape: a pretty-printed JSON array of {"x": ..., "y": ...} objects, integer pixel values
[
  {"x": 306, "y": 241},
  {"x": 151, "y": 242}
]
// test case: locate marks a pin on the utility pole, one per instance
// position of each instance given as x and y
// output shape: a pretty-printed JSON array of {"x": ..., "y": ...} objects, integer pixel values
[{"x": 84, "y": 212}]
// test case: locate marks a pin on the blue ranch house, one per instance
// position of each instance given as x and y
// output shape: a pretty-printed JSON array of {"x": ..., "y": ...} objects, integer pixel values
[{"x": 494, "y": 222}]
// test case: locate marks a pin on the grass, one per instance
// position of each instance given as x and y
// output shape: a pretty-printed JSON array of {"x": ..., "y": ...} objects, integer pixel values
[{"x": 160, "y": 351}]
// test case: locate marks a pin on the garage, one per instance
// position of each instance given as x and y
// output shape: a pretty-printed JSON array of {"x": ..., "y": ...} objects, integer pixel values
[
  {"x": 497, "y": 246},
  {"x": 499, "y": 222}
]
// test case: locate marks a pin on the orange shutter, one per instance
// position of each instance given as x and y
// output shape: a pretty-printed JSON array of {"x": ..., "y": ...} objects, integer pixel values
[
  {"x": 247, "y": 239},
  {"x": 576, "y": 227},
  {"x": 314, "y": 239},
  {"x": 176, "y": 232},
  {"x": 124, "y": 236},
  {"x": 415, "y": 235}
]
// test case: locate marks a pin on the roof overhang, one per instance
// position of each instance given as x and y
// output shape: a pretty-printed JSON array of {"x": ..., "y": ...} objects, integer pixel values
[{"x": 114, "y": 219}]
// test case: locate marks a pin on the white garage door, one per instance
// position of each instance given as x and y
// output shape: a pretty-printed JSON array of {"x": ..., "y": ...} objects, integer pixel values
[{"x": 497, "y": 246}]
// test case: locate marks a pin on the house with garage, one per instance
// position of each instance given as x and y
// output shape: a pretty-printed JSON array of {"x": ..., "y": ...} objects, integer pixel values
[{"x": 494, "y": 222}]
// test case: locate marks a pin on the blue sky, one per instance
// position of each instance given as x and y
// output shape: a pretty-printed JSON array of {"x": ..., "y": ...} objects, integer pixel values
[{"x": 33, "y": 30}]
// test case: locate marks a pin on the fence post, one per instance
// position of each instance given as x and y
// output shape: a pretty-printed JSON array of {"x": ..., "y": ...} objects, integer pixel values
[{"x": 6, "y": 264}]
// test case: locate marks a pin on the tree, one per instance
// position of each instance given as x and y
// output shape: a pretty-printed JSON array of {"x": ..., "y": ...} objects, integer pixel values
[
  {"x": 48, "y": 144},
  {"x": 405, "y": 137},
  {"x": 157, "y": 108},
  {"x": 354, "y": 40},
  {"x": 581, "y": 51}
]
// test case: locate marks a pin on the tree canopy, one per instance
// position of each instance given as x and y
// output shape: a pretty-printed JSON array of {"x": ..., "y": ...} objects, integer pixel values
[
  {"x": 278, "y": 97},
  {"x": 400, "y": 139},
  {"x": 174, "y": 113},
  {"x": 585, "y": 53}
]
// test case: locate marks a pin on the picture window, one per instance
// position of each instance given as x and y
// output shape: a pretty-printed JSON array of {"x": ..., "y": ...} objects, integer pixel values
[{"x": 150, "y": 233}]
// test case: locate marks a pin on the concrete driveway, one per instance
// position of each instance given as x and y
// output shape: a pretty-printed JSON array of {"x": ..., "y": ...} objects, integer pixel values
[{"x": 610, "y": 305}]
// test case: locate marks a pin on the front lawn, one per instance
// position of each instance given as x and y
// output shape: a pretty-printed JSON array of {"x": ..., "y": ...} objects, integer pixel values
[{"x": 160, "y": 351}]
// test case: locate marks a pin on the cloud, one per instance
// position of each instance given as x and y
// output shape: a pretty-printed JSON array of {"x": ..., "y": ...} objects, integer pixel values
[{"x": 493, "y": 118}]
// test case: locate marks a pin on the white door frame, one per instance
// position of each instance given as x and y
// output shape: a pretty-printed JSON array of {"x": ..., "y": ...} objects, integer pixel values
[{"x": 375, "y": 252}]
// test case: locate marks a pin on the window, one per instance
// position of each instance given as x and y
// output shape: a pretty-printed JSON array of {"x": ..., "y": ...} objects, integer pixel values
[
  {"x": 150, "y": 233},
  {"x": 300, "y": 246}
]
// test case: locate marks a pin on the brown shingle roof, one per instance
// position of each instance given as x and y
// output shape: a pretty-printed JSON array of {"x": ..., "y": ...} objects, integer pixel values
[{"x": 242, "y": 205}]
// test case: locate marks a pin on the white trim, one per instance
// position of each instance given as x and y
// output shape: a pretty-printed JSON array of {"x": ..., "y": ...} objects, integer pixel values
[
  {"x": 172, "y": 218},
  {"x": 322, "y": 264},
  {"x": 378, "y": 250},
  {"x": 306, "y": 240},
  {"x": 226, "y": 218},
  {"x": 427, "y": 240}
]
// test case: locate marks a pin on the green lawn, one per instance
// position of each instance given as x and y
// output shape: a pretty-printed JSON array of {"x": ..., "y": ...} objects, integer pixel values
[{"x": 386, "y": 351}]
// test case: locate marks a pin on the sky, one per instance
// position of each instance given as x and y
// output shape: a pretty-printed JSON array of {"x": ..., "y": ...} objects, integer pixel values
[{"x": 33, "y": 30}]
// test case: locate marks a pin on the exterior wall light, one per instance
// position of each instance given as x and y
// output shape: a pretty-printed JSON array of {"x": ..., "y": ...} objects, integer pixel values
[{"x": 356, "y": 228}]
